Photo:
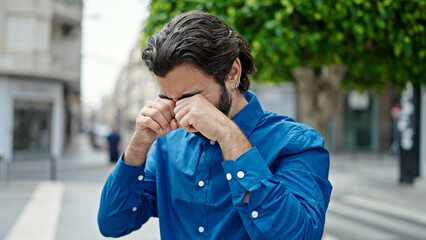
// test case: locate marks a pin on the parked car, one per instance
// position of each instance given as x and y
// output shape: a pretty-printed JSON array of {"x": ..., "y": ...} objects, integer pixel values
[{"x": 98, "y": 134}]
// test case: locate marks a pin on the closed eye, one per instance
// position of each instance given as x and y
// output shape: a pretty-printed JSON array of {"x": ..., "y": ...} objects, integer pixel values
[{"x": 185, "y": 95}]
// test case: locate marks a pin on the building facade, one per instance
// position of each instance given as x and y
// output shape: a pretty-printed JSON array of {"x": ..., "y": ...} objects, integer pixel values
[
  {"x": 134, "y": 87},
  {"x": 40, "y": 45},
  {"x": 365, "y": 121}
]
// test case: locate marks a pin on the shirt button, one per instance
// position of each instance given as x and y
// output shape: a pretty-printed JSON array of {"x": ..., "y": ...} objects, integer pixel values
[
  {"x": 254, "y": 214},
  {"x": 212, "y": 142},
  {"x": 201, "y": 183},
  {"x": 140, "y": 177},
  {"x": 134, "y": 209},
  {"x": 228, "y": 176},
  {"x": 240, "y": 174},
  {"x": 201, "y": 229}
]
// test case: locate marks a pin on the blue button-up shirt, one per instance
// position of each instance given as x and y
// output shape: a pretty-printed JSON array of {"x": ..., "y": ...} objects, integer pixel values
[{"x": 196, "y": 195}]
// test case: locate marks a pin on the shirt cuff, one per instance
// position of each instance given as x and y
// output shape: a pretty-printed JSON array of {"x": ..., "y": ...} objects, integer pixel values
[
  {"x": 248, "y": 170},
  {"x": 128, "y": 176}
]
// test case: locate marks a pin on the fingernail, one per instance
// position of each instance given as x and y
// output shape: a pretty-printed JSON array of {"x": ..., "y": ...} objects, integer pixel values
[
  {"x": 168, "y": 129},
  {"x": 161, "y": 131}
]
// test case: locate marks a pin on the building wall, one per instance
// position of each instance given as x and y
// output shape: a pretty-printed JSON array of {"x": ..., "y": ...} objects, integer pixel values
[
  {"x": 379, "y": 124},
  {"x": 36, "y": 92},
  {"x": 5, "y": 123},
  {"x": 40, "y": 45},
  {"x": 135, "y": 86},
  {"x": 278, "y": 98},
  {"x": 39, "y": 38}
]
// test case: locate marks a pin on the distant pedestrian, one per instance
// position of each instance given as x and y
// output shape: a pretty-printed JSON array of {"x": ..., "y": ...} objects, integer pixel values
[{"x": 113, "y": 146}]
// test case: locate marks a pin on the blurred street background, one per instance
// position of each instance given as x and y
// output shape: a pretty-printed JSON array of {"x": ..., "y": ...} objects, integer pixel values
[
  {"x": 71, "y": 74},
  {"x": 367, "y": 200}
]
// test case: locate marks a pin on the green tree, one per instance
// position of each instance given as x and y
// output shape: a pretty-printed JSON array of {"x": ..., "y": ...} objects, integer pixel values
[{"x": 321, "y": 45}]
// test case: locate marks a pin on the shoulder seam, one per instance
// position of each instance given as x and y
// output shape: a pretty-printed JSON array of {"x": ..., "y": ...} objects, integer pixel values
[{"x": 300, "y": 132}]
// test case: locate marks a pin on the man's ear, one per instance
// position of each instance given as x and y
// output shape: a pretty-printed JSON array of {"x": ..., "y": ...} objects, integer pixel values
[{"x": 233, "y": 77}]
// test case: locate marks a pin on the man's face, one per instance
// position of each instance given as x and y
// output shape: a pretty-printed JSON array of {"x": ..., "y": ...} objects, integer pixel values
[{"x": 186, "y": 80}]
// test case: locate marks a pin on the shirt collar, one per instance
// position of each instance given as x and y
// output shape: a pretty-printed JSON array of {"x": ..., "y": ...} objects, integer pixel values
[{"x": 248, "y": 117}]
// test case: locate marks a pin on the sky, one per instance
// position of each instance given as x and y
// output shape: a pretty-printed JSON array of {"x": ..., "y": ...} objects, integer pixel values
[{"x": 110, "y": 30}]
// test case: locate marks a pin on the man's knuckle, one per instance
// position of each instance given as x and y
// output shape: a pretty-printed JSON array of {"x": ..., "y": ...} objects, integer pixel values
[
  {"x": 144, "y": 120},
  {"x": 163, "y": 108},
  {"x": 145, "y": 110},
  {"x": 171, "y": 104},
  {"x": 156, "y": 128},
  {"x": 155, "y": 112},
  {"x": 139, "y": 118},
  {"x": 149, "y": 103},
  {"x": 191, "y": 114}
]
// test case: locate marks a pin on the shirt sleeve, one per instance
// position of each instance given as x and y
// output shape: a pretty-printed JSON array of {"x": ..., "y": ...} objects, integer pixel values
[
  {"x": 289, "y": 202},
  {"x": 128, "y": 198}
]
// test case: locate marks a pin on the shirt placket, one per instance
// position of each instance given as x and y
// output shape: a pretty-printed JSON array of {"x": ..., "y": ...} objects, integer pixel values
[{"x": 202, "y": 179}]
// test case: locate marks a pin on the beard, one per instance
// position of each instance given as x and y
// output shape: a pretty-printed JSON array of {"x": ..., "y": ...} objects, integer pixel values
[
  {"x": 225, "y": 100},
  {"x": 224, "y": 104}
]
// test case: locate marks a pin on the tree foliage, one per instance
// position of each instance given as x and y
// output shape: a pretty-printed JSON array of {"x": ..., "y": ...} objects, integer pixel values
[{"x": 381, "y": 42}]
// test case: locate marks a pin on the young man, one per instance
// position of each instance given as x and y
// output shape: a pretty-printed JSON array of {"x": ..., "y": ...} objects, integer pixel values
[{"x": 220, "y": 167}]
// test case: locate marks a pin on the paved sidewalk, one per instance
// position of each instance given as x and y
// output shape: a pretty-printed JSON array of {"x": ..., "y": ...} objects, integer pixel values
[
  {"x": 368, "y": 202},
  {"x": 82, "y": 172},
  {"x": 28, "y": 199},
  {"x": 375, "y": 176}
]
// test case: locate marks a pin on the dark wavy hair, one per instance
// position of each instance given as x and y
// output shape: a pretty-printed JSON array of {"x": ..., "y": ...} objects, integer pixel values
[{"x": 203, "y": 40}]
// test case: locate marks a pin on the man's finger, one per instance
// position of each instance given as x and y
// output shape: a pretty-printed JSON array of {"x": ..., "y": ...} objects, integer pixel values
[
  {"x": 183, "y": 103},
  {"x": 157, "y": 116},
  {"x": 143, "y": 122},
  {"x": 181, "y": 112},
  {"x": 166, "y": 107},
  {"x": 186, "y": 123},
  {"x": 174, "y": 124}
]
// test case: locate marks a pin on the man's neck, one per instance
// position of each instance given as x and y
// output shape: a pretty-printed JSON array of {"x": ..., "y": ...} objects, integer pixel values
[{"x": 238, "y": 103}]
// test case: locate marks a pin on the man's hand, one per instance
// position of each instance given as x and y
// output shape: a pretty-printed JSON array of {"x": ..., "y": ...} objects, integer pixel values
[
  {"x": 154, "y": 120},
  {"x": 197, "y": 114}
]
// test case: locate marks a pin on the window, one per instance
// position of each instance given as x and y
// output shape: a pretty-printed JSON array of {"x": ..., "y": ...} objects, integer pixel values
[
  {"x": 31, "y": 128},
  {"x": 20, "y": 33},
  {"x": 26, "y": 34},
  {"x": 43, "y": 35}
]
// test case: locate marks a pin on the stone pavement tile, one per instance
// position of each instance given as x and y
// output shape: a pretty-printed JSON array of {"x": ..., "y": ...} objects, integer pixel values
[
  {"x": 95, "y": 173},
  {"x": 79, "y": 209},
  {"x": 83, "y": 171},
  {"x": 92, "y": 168},
  {"x": 374, "y": 177},
  {"x": 29, "y": 169},
  {"x": 78, "y": 215},
  {"x": 78, "y": 219},
  {"x": 38, "y": 220},
  {"x": 13, "y": 198}
]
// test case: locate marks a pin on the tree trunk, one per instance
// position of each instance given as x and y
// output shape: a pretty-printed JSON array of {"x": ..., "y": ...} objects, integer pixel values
[{"x": 318, "y": 95}]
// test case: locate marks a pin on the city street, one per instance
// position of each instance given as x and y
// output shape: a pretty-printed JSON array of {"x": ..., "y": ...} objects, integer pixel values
[
  {"x": 367, "y": 201},
  {"x": 31, "y": 208},
  {"x": 75, "y": 74}
]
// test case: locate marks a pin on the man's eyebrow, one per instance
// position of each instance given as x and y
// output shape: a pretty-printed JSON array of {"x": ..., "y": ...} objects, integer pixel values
[
  {"x": 164, "y": 97},
  {"x": 185, "y": 95}
]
